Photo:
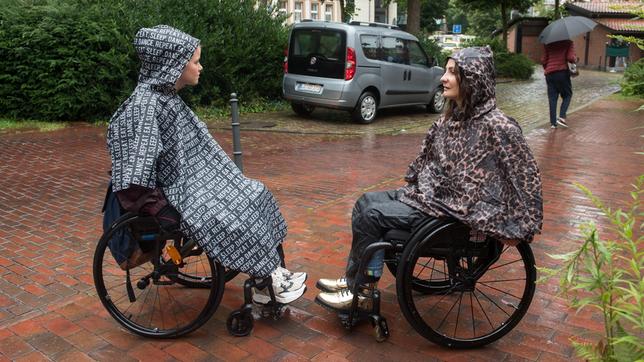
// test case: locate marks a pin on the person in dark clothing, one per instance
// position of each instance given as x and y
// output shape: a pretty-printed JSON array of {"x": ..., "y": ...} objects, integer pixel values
[
  {"x": 165, "y": 163},
  {"x": 555, "y": 59},
  {"x": 474, "y": 166}
]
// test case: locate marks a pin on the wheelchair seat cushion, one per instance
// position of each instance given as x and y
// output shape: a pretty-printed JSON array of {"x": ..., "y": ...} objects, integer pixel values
[{"x": 397, "y": 234}]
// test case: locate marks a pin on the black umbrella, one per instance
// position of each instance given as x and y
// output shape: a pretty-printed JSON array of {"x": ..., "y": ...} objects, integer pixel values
[{"x": 566, "y": 28}]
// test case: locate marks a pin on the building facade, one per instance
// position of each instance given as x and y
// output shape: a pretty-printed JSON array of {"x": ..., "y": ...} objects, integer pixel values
[{"x": 329, "y": 10}]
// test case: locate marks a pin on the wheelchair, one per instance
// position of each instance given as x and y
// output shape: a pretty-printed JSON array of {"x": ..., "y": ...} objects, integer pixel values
[
  {"x": 176, "y": 291},
  {"x": 453, "y": 291}
]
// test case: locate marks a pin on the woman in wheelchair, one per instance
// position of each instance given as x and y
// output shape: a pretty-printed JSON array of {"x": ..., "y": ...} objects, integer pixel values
[
  {"x": 166, "y": 164},
  {"x": 474, "y": 166}
]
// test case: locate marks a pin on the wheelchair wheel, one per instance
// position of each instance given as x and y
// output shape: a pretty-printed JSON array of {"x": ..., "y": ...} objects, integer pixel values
[
  {"x": 194, "y": 272},
  {"x": 156, "y": 300},
  {"x": 470, "y": 299}
]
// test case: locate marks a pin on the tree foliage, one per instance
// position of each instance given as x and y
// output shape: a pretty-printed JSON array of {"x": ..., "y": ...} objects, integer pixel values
[{"x": 502, "y": 8}]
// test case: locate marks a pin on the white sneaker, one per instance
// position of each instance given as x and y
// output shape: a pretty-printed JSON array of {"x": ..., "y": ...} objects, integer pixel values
[
  {"x": 298, "y": 278},
  {"x": 285, "y": 291},
  {"x": 562, "y": 122}
]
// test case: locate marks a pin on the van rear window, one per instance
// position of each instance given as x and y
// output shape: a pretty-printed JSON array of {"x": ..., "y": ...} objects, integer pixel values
[{"x": 318, "y": 52}]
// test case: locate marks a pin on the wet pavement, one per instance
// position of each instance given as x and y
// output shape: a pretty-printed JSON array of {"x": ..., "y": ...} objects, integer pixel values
[
  {"x": 526, "y": 101},
  {"x": 53, "y": 186}
]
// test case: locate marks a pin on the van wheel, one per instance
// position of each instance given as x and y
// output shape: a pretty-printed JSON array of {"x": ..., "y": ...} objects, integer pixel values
[
  {"x": 437, "y": 103},
  {"x": 365, "y": 111},
  {"x": 303, "y": 110}
]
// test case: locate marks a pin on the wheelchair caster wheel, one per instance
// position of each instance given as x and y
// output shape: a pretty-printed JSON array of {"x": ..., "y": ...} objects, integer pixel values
[
  {"x": 240, "y": 323},
  {"x": 380, "y": 329},
  {"x": 143, "y": 283}
]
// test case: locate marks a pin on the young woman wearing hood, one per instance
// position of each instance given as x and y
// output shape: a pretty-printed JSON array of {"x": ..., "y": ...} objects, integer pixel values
[
  {"x": 165, "y": 163},
  {"x": 474, "y": 166}
]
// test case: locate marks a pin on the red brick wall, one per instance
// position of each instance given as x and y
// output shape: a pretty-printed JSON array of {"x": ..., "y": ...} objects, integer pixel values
[
  {"x": 596, "y": 48},
  {"x": 512, "y": 39},
  {"x": 532, "y": 48}
]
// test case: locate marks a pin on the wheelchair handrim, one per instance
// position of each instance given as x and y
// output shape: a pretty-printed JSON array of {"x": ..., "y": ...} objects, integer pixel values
[
  {"x": 213, "y": 299},
  {"x": 409, "y": 307}
]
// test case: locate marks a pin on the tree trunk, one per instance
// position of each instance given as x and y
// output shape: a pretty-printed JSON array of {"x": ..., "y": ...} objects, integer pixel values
[
  {"x": 342, "y": 6},
  {"x": 556, "y": 9},
  {"x": 504, "y": 20},
  {"x": 413, "y": 16}
]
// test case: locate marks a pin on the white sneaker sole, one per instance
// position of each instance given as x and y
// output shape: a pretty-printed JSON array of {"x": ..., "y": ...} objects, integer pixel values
[{"x": 283, "y": 298}]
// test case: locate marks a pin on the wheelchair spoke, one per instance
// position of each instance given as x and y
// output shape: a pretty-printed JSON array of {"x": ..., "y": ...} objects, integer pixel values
[
  {"x": 502, "y": 265},
  {"x": 472, "y": 311},
  {"x": 482, "y": 310},
  {"x": 502, "y": 291},
  {"x": 493, "y": 302},
  {"x": 501, "y": 280},
  {"x": 447, "y": 314},
  {"x": 458, "y": 313}
]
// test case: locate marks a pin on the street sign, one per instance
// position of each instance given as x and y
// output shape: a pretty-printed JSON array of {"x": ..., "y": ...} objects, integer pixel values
[{"x": 456, "y": 28}]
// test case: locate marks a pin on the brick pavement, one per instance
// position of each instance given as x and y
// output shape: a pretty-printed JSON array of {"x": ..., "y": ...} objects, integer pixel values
[{"x": 52, "y": 189}]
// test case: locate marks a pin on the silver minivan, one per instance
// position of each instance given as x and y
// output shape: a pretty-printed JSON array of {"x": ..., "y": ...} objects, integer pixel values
[{"x": 358, "y": 67}]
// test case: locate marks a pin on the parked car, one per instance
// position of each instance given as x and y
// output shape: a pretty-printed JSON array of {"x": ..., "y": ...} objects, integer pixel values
[{"x": 358, "y": 67}]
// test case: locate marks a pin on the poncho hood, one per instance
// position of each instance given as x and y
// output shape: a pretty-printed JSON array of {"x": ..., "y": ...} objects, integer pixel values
[
  {"x": 476, "y": 166},
  {"x": 164, "y": 52},
  {"x": 156, "y": 141},
  {"x": 478, "y": 72}
]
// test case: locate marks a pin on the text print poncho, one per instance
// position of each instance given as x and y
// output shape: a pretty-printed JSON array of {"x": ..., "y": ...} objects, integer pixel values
[
  {"x": 155, "y": 140},
  {"x": 475, "y": 165}
]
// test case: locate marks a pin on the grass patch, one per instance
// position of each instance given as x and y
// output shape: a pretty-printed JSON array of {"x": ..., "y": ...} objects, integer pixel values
[
  {"x": 256, "y": 106},
  {"x": 7, "y": 124},
  {"x": 621, "y": 97}
]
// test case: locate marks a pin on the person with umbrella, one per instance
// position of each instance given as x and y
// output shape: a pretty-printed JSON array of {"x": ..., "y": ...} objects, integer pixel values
[
  {"x": 555, "y": 59},
  {"x": 559, "y": 50}
]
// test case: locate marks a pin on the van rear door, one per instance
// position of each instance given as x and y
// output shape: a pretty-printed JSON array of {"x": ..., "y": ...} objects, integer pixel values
[{"x": 317, "y": 52}]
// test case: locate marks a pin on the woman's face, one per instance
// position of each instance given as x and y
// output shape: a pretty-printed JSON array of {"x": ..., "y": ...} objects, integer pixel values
[
  {"x": 190, "y": 75},
  {"x": 451, "y": 89}
]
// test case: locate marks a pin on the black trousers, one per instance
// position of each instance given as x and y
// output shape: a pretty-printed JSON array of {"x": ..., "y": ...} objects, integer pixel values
[
  {"x": 373, "y": 215},
  {"x": 559, "y": 84}
]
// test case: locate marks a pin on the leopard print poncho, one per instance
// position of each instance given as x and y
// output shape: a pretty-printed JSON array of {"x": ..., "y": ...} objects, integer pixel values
[{"x": 476, "y": 166}]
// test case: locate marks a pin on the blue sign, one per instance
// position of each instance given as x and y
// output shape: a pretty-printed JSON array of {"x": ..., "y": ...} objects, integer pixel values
[{"x": 456, "y": 28}]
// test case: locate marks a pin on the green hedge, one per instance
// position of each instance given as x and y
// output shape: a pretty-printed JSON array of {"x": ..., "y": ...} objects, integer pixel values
[
  {"x": 633, "y": 82},
  {"x": 508, "y": 65},
  {"x": 74, "y": 59},
  {"x": 57, "y": 63}
]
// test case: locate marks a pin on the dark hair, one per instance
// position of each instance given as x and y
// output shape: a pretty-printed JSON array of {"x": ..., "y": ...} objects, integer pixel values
[{"x": 464, "y": 92}]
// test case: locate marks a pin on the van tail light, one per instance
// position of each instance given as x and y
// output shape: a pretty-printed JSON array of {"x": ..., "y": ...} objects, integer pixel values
[
  {"x": 285, "y": 64},
  {"x": 350, "y": 69}
]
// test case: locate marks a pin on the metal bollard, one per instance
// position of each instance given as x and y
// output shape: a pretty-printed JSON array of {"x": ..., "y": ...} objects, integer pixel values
[{"x": 237, "y": 152}]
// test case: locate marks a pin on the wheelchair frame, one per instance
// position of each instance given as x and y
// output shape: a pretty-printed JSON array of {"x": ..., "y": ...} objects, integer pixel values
[
  {"x": 168, "y": 273},
  {"x": 465, "y": 264}
]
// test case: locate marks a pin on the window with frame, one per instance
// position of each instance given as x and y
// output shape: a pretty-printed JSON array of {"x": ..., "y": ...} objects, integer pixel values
[
  {"x": 314, "y": 11},
  {"x": 282, "y": 8},
  {"x": 394, "y": 50},
  {"x": 297, "y": 11},
  {"x": 416, "y": 54},
  {"x": 369, "y": 46},
  {"x": 328, "y": 12}
]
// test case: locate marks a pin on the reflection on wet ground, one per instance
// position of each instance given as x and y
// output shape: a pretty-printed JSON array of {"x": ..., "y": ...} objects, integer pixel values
[{"x": 526, "y": 101}]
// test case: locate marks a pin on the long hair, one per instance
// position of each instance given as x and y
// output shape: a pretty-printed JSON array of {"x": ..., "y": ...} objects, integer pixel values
[{"x": 464, "y": 93}]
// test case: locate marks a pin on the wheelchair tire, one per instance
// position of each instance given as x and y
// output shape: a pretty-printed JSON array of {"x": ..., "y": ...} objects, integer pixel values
[
  {"x": 154, "y": 303},
  {"x": 474, "y": 307}
]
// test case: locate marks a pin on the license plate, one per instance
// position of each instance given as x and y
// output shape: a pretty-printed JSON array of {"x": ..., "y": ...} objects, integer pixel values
[{"x": 309, "y": 88}]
